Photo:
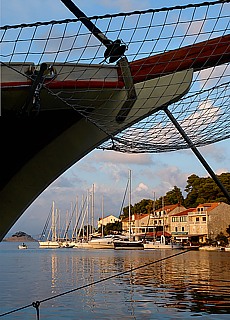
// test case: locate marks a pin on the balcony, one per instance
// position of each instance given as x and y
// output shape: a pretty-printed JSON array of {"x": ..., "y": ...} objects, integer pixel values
[{"x": 179, "y": 233}]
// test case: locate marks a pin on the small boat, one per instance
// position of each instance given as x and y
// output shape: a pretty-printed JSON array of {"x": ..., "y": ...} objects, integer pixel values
[
  {"x": 83, "y": 245},
  {"x": 22, "y": 246},
  {"x": 211, "y": 248},
  {"x": 159, "y": 244},
  {"x": 67, "y": 245},
  {"x": 227, "y": 248}
]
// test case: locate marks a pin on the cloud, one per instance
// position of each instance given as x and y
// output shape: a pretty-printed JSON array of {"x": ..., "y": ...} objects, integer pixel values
[
  {"x": 215, "y": 76},
  {"x": 126, "y": 5},
  {"x": 215, "y": 152},
  {"x": 141, "y": 187},
  {"x": 171, "y": 176},
  {"x": 122, "y": 158}
]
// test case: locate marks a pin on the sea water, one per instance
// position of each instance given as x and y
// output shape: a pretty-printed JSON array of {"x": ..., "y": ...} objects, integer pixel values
[{"x": 110, "y": 284}]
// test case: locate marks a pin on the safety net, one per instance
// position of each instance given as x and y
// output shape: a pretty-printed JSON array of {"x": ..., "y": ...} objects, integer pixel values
[{"x": 79, "y": 73}]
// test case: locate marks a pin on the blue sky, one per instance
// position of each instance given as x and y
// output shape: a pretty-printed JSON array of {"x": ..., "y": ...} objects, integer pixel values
[{"x": 108, "y": 170}]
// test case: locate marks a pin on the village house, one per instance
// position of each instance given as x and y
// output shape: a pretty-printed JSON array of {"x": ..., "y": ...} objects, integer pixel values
[
  {"x": 136, "y": 226},
  {"x": 202, "y": 223},
  {"x": 218, "y": 218},
  {"x": 160, "y": 219},
  {"x": 108, "y": 219},
  {"x": 145, "y": 225},
  {"x": 179, "y": 226}
]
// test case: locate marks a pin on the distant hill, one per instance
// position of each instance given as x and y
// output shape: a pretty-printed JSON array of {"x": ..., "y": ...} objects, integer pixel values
[{"x": 20, "y": 237}]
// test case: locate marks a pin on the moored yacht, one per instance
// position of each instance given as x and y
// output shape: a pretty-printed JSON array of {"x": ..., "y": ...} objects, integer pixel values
[
  {"x": 123, "y": 244},
  {"x": 106, "y": 242}
]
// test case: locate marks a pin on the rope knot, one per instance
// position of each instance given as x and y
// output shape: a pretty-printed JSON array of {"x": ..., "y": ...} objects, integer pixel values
[{"x": 36, "y": 305}]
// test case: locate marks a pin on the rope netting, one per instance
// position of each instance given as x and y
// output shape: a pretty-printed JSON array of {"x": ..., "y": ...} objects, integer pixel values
[{"x": 158, "y": 43}]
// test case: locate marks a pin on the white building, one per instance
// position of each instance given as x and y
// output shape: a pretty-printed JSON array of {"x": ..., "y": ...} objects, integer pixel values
[{"x": 106, "y": 220}]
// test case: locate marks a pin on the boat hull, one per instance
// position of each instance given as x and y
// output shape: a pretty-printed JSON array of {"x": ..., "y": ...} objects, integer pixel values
[
  {"x": 101, "y": 245},
  {"x": 22, "y": 247},
  {"x": 49, "y": 244},
  {"x": 211, "y": 248},
  {"x": 83, "y": 245},
  {"x": 128, "y": 245},
  {"x": 153, "y": 245}
]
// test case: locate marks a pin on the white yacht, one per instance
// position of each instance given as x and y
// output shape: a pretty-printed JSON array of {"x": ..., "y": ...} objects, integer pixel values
[{"x": 106, "y": 242}]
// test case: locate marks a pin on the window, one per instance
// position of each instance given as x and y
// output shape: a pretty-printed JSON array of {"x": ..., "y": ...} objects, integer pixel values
[
  {"x": 175, "y": 229},
  {"x": 204, "y": 219},
  {"x": 197, "y": 219},
  {"x": 182, "y": 228}
]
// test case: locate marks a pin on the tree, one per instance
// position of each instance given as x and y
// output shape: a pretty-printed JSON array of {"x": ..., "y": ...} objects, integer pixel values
[
  {"x": 111, "y": 228},
  {"x": 126, "y": 212},
  {"x": 142, "y": 206},
  {"x": 228, "y": 230},
  {"x": 222, "y": 239},
  {"x": 201, "y": 190},
  {"x": 192, "y": 191},
  {"x": 174, "y": 196}
]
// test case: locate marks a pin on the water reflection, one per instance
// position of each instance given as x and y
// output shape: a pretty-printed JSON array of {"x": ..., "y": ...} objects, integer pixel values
[{"x": 195, "y": 282}]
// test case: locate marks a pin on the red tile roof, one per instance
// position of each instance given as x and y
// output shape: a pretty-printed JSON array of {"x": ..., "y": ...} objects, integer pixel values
[{"x": 183, "y": 213}]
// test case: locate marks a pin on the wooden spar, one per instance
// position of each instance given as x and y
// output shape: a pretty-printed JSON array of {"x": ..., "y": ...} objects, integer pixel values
[{"x": 198, "y": 56}]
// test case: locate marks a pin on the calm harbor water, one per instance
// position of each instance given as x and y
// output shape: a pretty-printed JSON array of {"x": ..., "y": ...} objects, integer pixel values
[{"x": 192, "y": 284}]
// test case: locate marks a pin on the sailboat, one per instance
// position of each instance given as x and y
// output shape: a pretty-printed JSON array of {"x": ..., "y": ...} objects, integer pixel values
[
  {"x": 53, "y": 243},
  {"x": 128, "y": 244},
  {"x": 102, "y": 242},
  {"x": 82, "y": 240}
]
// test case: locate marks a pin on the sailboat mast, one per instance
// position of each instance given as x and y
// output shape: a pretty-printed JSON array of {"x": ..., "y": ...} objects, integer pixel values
[
  {"x": 163, "y": 215},
  {"x": 129, "y": 205},
  {"x": 102, "y": 215},
  {"x": 53, "y": 224},
  {"x": 92, "y": 221}
]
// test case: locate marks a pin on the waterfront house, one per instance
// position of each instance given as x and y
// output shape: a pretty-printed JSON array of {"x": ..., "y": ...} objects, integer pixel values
[
  {"x": 148, "y": 225},
  {"x": 204, "y": 222},
  {"x": 218, "y": 218},
  {"x": 179, "y": 225},
  {"x": 108, "y": 219},
  {"x": 137, "y": 225},
  {"x": 161, "y": 218}
]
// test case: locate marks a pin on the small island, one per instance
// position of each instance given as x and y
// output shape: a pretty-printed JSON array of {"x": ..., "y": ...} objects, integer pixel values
[{"x": 20, "y": 236}]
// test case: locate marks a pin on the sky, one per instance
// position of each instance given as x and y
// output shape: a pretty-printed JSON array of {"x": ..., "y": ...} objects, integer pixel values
[{"x": 108, "y": 170}]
